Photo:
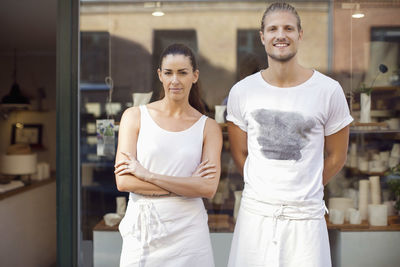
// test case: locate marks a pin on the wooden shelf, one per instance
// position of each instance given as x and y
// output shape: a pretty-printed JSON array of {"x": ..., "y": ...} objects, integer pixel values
[
  {"x": 101, "y": 226},
  {"x": 32, "y": 185},
  {"x": 364, "y": 226},
  {"x": 357, "y": 171},
  {"x": 386, "y": 88}
]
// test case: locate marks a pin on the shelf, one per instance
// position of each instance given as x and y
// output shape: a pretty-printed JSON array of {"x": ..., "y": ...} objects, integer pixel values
[
  {"x": 386, "y": 88},
  {"x": 33, "y": 184},
  {"x": 364, "y": 226},
  {"x": 371, "y": 127},
  {"x": 376, "y": 113},
  {"x": 375, "y": 131},
  {"x": 15, "y": 106},
  {"x": 357, "y": 171}
]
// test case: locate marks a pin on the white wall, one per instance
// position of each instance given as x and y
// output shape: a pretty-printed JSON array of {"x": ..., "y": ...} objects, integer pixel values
[{"x": 28, "y": 228}]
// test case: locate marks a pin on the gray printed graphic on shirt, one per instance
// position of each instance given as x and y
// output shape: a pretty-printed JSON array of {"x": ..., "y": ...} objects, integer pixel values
[{"x": 282, "y": 135}]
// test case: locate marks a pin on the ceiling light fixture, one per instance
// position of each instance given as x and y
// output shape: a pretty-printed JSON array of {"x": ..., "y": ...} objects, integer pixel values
[
  {"x": 158, "y": 12},
  {"x": 358, "y": 14}
]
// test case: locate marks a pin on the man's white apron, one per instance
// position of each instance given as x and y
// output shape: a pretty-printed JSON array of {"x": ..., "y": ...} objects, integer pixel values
[{"x": 280, "y": 235}]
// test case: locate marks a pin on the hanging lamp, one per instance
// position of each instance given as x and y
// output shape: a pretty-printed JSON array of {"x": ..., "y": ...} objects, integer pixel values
[{"x": 15, "y": 96}]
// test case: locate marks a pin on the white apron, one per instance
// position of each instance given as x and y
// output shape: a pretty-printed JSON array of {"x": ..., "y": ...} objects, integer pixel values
[
  {"x": 280, "y": 235},
  {"x": 165, "y": 231}
]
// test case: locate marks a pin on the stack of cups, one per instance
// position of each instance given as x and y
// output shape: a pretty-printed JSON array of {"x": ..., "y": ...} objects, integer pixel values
[
  {"x": 363, "y": 164},
  {"x": 375, "y": 189},
  {"x": 363, "y": 199},
  {"x": 377, "y": 213},
  {"x": 353, "y": 155}
]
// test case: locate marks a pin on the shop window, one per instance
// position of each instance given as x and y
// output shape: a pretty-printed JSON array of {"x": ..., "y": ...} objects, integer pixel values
[{"x": 251, "y": 56}]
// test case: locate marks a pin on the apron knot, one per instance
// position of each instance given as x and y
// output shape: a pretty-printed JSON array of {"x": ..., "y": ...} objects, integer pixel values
[{"x": 148, "y": 226}]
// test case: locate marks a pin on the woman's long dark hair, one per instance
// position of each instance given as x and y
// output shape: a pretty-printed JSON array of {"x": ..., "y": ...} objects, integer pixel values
[{"x": 181, "y": 49}]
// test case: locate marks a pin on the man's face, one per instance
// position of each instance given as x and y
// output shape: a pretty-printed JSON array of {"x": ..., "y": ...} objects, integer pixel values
[{"x": 281, "y": 36}]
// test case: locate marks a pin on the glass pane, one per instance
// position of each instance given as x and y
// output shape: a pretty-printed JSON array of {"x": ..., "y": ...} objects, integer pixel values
[
  {"x": 121, "y": 42},
  {"x": 366, "y": 62}
]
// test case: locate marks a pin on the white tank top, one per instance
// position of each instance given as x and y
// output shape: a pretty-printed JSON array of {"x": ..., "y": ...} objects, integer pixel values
[{"x": 169, "y": 153}]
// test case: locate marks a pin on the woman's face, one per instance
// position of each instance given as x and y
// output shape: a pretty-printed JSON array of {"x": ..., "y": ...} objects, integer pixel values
[{"x": 177, "y": 76}]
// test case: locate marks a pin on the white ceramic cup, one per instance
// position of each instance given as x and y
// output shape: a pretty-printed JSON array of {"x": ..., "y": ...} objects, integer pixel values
[
  {"x": 336, "y": 216},
  {"x": 354, "y": 217}
]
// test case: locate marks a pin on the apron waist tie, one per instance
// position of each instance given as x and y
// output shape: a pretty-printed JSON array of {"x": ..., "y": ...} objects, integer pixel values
[
  {"x": 148, "y": 225},
  {"x": 292, "y": 211}
]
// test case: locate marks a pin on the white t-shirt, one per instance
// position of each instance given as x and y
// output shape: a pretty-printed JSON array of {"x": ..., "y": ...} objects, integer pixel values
[{"x": 285, "y": 134}]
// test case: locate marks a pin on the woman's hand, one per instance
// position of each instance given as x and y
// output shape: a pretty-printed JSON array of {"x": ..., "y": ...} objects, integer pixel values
[
  {"x": 205, "y": 170},
  {"x": 131, "y": 166}
]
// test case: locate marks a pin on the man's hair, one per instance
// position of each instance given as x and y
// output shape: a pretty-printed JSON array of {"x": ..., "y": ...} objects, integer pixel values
[{"x": 280, "y": 6}]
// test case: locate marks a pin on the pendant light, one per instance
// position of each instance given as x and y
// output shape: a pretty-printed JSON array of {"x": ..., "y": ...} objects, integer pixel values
[{"x": 15, "y": 97}]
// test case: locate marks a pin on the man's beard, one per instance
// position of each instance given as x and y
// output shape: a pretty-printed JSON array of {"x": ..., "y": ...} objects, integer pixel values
[{"x": 283, "y": 59}]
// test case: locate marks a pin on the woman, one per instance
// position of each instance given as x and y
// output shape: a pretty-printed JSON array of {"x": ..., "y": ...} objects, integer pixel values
[{"x": 168, "y": 158}]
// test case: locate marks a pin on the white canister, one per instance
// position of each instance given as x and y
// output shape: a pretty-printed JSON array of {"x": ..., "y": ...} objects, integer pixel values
[{"x": 377, "y": 215}]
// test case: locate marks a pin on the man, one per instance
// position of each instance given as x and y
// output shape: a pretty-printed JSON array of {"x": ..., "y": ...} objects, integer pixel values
[{"x": 280, "y": 121}]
